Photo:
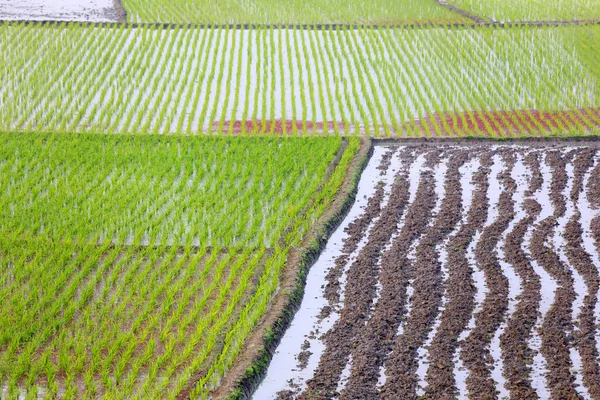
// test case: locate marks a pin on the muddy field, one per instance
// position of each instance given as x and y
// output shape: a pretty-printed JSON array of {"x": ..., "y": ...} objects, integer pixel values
[
  {"x": 460, "y": 272},
  {"x": 62, "y": 10}
]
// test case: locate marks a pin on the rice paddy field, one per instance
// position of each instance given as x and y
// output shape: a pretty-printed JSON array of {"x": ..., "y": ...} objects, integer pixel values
[
  {"x": 270, "y": 12},
  {"x": 484, "y": 81},
  {"x": 130, "y": 263},
  {"x": 389, "y": 199},
  {"x": 554, "y": 10}
]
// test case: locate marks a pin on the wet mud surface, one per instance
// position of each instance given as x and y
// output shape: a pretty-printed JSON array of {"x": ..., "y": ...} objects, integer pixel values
[
  {"x": 419, "y": 300},
  {"x": 63, "y": 10}
]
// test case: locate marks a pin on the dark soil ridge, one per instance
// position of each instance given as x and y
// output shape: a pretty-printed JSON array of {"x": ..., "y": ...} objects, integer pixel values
[
  {"x": 375, "y": 341},
  {"x": 557, "y": 323},
  {"x": 517, "y": 355},
  {"x": 360, "y": 290},
  {"x": 356, "y": 231},
  {"x": 332, "y": 27},
  {"x": 252, "y": 363},
  {"x": 475, "y": 351},
  {"x": 593, "y": 188},
  {"x": 585, "y": 336},
  {"x": 460, "y": 292}
]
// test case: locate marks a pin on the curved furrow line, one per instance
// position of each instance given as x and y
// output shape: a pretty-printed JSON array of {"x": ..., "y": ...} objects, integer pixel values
[
  {"x": 517, "y": 356},
  {"x": 423, "y": 159},
  {"x": 481, "y": 212},
  {"x": 567, "y": 240},
  {"x": 402, "y": 365},
  {"x": 374, "y": 342},
  {"x": 555, "y": 343},
  {"x": 541, "y": 179},
  {"x": 513, "y": 178},
  {"x": 585, "y": 336},
  {"x": 583, "y": 161},
  {"x": 475, "y": 349},
  {"x": 590, "y": 243},
  {"x": 593, "y": 188},
  {"x": 411, "y": 169},
  {"x": 356, "y": 231},
  {"x": 445, "y": 224},
  {"x": 360, "y": 289},
  {"x": 595, "y": 229},
  {"x": 459, "y": 289}
]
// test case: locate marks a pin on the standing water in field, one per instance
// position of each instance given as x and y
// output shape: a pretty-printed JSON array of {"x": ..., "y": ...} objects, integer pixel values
[{"x": 62, "y": 10}]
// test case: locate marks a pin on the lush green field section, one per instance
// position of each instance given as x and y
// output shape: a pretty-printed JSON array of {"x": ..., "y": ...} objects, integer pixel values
[
  {"x": 84, "y": 313},
  {"x": 532, "y": 10},
  {"x": 157, "y": 190},
  {"x": 72, "y": 78},
  {"x": 288, "y": 12}
]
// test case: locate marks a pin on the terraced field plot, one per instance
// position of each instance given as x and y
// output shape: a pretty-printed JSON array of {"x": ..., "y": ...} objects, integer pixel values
[
  {"x": 460, "y": 271},
  {"x": 270, "y": 12},
  {"x": 549, "y": 10},
  {"x": 483, "y": 81},
  {"x": 137, "y": 266}
]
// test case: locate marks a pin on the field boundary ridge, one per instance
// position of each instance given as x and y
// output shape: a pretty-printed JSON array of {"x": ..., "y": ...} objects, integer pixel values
[{"x": 325, "y": 27}]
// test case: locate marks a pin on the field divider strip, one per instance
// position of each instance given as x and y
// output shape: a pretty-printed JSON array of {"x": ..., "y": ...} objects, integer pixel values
[{"x": 336, "y": 26}]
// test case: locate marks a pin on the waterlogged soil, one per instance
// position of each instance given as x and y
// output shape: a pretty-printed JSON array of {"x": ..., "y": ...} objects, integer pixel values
[
  {"x": 404, "y": 315},
  {"x": 62, "y": 10}
]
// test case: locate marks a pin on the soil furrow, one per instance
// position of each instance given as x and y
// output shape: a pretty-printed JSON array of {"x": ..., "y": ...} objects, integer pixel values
[
  {"x": 356, "y": 231},
  {"x": 585, "y": 337},
  {"x": 517, "y": 355},
  {"x": 401, "y": 379},
  {"x": 557, "y": 322},
  {"x": 593, "y": 188},
  {"x": 359, "y": 293},
  {"x": 476, "y": 353}
]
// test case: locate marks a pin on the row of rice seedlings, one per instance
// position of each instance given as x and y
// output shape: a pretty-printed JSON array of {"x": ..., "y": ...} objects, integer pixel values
[{"x": 227, "y": 81}]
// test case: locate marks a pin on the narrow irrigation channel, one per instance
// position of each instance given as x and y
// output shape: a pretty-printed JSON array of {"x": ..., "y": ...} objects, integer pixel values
[{"x": 461, "y": 269}]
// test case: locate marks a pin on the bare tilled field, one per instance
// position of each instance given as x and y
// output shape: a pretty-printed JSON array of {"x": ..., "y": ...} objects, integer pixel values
[{"x": 462, "y": 271}]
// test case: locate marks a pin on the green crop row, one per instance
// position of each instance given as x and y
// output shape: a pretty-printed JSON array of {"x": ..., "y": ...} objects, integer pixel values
[
  {"x": 163, "y": 310},
  {"x": 486, "y": 81},
  {"x": 288, "y": 12}
]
